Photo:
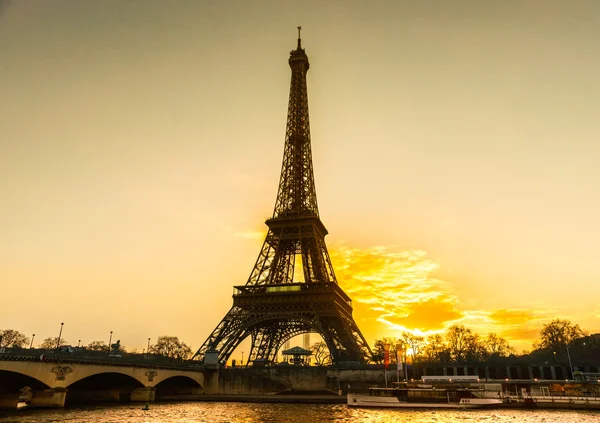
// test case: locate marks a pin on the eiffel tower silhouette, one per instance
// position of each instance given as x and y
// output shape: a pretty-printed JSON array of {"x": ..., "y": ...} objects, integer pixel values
[{"x": 272, "y": 307}]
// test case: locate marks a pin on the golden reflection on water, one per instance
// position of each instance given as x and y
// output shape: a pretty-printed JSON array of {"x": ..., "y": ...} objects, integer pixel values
[{"x": 222, "y": 412}]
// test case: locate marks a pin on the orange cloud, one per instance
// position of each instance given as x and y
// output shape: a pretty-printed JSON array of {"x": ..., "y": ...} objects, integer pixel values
[
  {"x": 510, "y": 317},
  {"x": 396, "y": 291},
  {"x": 519, "y": 326},
  {"x": 431, "y": 315},
  {"x": 397, "y": 287},
  {"x": 521, "y": 333}
]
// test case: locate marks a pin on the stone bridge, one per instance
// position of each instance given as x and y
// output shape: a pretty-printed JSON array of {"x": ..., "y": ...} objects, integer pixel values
[{"x": 51, "y": 381}]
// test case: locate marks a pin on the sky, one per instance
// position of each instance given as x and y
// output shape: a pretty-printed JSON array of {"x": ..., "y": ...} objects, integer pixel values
[{"x": 455, "y": 148}]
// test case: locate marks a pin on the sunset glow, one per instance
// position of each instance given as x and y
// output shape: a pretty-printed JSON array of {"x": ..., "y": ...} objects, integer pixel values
[{"x": 399, "y": 292}]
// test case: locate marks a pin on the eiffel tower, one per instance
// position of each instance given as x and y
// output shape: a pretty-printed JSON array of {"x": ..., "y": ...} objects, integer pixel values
[{"x": 273, "y": 307}]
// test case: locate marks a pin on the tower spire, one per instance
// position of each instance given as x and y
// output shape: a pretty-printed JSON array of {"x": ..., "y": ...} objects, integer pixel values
[
  {"x": 299, "y": 41},
  {"x": 297, "y": 195}
]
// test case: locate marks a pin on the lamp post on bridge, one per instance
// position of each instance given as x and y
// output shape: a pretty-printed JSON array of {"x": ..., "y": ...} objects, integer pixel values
[
  {"x": 570, "y": 363},
  {"x": 31, "y": 343},
  {"x": 148, "y": 349},
  {"x": 59, "y": 335},
  {"x": 109, "y": 341}
]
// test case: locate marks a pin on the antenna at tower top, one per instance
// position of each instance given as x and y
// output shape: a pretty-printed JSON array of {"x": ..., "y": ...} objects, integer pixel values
[{"x": 299, "y": 29}]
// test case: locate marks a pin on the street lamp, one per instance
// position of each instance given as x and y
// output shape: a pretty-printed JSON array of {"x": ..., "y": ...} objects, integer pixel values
[
  {"x": 32, "y": 338},
  {"x": 109, "y": 341},
  {"x": 148, "y": 349},
  {"x": 242, "y": 358},
  {"x": 570, "y": 363},
  {"x": 59, "y": 335},
  {"x": 78, "y": 343}
]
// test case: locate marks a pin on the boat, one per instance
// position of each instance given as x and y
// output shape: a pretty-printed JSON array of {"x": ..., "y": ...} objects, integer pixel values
[
  {"x": 583, "y": 392},
  {"x": 438, "y": 395}
]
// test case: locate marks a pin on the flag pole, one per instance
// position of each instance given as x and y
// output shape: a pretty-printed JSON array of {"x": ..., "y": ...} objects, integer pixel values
[
  {"x": 398, "y": 365},
  {"x": 386, "y": 361},
  {"x": 406, "y": 364}
]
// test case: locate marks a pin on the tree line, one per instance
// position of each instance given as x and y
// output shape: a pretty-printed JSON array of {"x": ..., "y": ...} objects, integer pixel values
[
  {"x": 167, "y": 346},
  {"x": 458, "y": 344},
  {"x": 461, "y": 344}
]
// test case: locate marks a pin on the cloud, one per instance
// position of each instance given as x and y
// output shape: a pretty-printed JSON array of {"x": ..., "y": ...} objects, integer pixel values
[
  {"x": 520, "y": 326},
  {"x": 397, "y": 287},
  {"x": 396, "y": 291},
  {"x": 427, "y": 316},
  {"x": 511, "y": 317},
  {"x": 521, "y": 333}
]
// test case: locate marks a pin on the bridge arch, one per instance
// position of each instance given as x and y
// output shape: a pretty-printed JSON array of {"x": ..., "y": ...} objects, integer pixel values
[
  {"x": 105, "y": 379},
  {"x": 156, "y": 377},
  {"x": 34, "y": 370},
  {"x": 295, "y": 326},
  {"x": 176, "y": 386},
  {"x": 123, "y": 372},
  {"x": 179, "y": 380},
  {"x": 102, "y": 387},
  {"x": 13, "y": 381}
]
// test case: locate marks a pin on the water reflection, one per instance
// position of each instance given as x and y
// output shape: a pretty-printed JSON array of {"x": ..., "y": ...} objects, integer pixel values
[{"x": 284, "y": 413}]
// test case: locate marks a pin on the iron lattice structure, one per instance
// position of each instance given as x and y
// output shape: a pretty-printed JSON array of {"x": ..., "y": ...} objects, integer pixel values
[{"x": 273, "y": 307}]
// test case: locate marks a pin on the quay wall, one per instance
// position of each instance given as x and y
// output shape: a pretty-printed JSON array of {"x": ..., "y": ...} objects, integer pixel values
[{"x": 274, "y": 379}]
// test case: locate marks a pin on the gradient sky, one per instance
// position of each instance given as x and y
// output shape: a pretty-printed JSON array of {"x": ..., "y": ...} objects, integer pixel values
[{"x": 455, "y": 147}]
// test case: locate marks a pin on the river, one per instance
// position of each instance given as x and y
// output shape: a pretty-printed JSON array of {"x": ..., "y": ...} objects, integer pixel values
[{"x": 222, "y": 412}]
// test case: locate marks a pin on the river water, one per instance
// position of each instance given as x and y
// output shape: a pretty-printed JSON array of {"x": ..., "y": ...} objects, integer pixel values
[{"x": 222, "y": 412}]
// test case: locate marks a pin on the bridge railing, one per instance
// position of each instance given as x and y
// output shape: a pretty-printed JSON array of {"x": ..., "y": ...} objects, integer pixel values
[{"x": 84, "y": 356}]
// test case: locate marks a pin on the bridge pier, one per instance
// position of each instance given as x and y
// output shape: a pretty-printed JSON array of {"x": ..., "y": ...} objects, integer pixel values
[
  {"x": 143, "y": 395},
  {"x": 93, "y": 396},
  {"x": 211, "y": 382},
  {"x": 49, "y": 398}
]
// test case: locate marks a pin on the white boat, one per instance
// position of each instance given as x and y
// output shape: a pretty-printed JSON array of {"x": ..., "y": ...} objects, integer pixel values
[{"x": 419, "y": 395}]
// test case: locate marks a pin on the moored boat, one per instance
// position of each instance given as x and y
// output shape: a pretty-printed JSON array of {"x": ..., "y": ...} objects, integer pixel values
[{"x": 425, "y": 395}]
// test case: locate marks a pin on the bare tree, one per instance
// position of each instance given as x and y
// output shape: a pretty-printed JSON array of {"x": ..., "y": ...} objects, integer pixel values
[
  {"x": 459, "y": 339},
  {"x": 50, "y": 343},
  {"x": 379, "y": 349},
  {"x": 414, "y": 342},
  {"x": 496, "y": 345},
  {"x": 475, "y": 348},
  {"x": 97, "y": 346},
  {"x": 321, "y": 353},
  {"x": 171, "y": 346},
  {"x": 558, "y": 333},
  {"x": 10, "y": 338},
  {"x": 435, "y": 348}
]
